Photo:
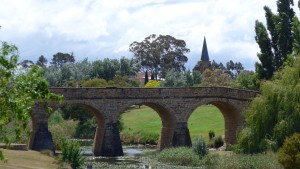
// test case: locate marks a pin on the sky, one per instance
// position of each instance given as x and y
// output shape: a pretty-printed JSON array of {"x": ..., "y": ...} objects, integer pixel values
[{"x": 97, "y": 29}]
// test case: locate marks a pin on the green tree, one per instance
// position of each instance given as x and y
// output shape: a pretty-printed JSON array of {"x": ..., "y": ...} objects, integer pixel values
[
  {"x": 59, "y": 59},
  {"x": 26, "y": 64},
  {"x": 215, "y": 65},
  {"x": 246, "y": 80},
  {"x": 80, "y": 71},
  {"x": 189, "y": 78},
  {"x": 215, "y": 78},
  {"x": 146, "y": 78},
  {"x": 127, "y": 67},
  {"x": 196, "y": 77},
  {"x": 42, "y": 61},
  {"x": 296, "y": 34},
  {"x": 276, "y": 42},
  {"x": 53, "y": 76},
  {"x": 18, "y": 91},
  {"x": 160, "y": 53},
  {"x": 175, "y": 79},
  {"x": 105, "y": 69},
  {"x": 275, "y": 114}
]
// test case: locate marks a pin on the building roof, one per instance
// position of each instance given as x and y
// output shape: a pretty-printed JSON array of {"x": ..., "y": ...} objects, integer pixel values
[
  {"x": 141, "y": 75},
  {"x": 204, "y": 55}
]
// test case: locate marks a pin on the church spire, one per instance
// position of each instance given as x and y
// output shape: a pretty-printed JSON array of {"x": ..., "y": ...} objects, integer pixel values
[{"x": 204, "y": 55}]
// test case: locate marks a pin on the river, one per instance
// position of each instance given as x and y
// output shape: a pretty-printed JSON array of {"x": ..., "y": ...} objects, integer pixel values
[{"x": 134, "y": 156}]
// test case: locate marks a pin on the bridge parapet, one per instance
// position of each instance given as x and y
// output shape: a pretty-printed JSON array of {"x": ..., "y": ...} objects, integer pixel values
[{"x": 152, "y": 93}]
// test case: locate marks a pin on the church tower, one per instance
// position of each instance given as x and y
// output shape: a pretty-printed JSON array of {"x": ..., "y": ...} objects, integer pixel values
[{"x": 204, "y": 63}]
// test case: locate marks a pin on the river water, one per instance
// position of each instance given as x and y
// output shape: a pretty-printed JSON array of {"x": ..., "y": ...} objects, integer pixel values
[{"x": 133, "y": 156}]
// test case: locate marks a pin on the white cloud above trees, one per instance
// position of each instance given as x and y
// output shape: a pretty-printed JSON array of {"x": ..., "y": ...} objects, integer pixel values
[{"x": 98, "y": 29}]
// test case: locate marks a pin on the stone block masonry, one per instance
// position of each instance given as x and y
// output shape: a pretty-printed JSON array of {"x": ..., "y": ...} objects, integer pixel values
[{"x": 173, "y": 105}]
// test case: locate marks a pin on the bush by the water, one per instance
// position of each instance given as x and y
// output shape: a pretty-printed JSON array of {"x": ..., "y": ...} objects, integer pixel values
[
  {"x": 185, "y": 156},
  {"x": 200, "y": 147},
  {"x": 71, "y": 153},
  {"x": 179, "y": 156},
  {"x": 61, "y": 128},
  {"x": 231, "y": 160},
  {"x": 289, "y": 153},
  {"x": 86, "y": 129},
  {"x": 139, "y": 137}
]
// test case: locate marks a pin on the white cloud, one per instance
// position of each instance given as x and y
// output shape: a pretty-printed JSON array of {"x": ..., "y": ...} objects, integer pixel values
[{"x": 104, "y": 28}]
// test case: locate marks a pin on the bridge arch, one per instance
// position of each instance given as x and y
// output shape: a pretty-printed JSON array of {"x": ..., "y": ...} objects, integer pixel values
[
  {"x": 231, "y": 111},
  {"x": 168, "y": 120},
  {"x": 40, "y": 124}
]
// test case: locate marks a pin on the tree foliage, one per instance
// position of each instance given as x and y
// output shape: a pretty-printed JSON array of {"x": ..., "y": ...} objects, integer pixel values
[
  {"x": 275, "y": 114},
  {"x": 175, "y": 79},
  {"x": 59, "y": 59},
  {"x": 18, "y": 91},
  {"x": 159, "y": 54},
  {"x": 42, "y": 61},
  {"x": 289, "y": 154},
  {"x": 215, "y": 78},
  {"x": 246, "y": 80},
  {"x": 275, "y": 41}
]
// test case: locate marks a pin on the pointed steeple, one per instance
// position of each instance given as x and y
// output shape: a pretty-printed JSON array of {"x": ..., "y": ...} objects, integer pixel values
[{"x": 204, "y": 55}]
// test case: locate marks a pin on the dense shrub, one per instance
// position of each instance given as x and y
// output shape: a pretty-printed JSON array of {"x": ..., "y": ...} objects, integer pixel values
[
  {"x": 64, "y": 129},
  {"x": 289, "y": 153},
  {"x": 218, "y": 142},
  {"x": 86, "y": 129},
  {"x": 211, "y": 134},
  {"x": 71, "y": 153},
  {"x": 56, "y": 118},
  {"x": 178, "y": 156},
  {"x": 152, "y": 84},
  {"x": 200, "y": 147},
  {"x": 139, "y": 137}
]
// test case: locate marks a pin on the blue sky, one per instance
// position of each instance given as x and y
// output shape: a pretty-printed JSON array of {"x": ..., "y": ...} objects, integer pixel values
[{"x": 96, "y": 29}]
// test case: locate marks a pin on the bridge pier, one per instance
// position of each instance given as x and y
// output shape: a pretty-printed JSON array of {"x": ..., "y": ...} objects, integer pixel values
[
  {"x": 165, "y": 139},
  {"x": 111, "y": 146},
  {"x": 98, "y": 140},
  {"x": 41, "y": 138},
  {"x": 181, "y": 135}
]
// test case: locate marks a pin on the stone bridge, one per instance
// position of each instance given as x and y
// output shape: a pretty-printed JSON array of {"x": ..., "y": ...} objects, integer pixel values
[{"x": 173, "y": 105}]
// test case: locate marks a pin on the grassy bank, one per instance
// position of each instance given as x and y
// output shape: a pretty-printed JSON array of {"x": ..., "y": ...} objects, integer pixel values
[
  {"x": 28, "y": 160},
  {"x": 145, "y": 121}
]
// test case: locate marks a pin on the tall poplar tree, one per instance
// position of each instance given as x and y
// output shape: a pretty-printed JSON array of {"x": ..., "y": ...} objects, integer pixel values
[{"x": 275, "y": 41}]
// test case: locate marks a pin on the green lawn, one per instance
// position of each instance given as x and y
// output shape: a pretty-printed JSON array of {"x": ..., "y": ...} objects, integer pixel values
[{"x": 202, "y": 120}]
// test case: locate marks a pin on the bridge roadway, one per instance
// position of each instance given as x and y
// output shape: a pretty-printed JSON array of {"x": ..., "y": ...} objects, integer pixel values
[{"x": 173, "y": 105}]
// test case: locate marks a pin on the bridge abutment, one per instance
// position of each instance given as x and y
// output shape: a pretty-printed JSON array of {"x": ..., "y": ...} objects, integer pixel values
[
  {"x": 181, "y": 135},
  {"x": 111, "y": 145}
]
